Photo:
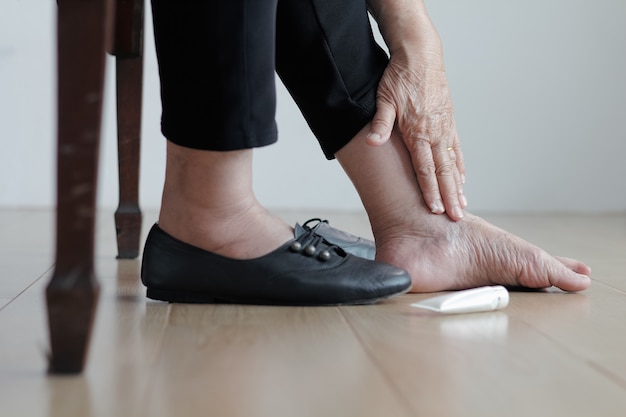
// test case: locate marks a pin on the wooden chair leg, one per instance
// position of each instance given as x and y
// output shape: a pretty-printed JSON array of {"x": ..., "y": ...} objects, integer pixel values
[
  {"x": 128, "y": 49},
  {"x": 72, "y": 293},
  {"x": 128, "y": 215}
]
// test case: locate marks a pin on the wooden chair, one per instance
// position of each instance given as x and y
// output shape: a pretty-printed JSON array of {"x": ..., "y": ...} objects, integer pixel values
[{"x": 87, "y": 29}]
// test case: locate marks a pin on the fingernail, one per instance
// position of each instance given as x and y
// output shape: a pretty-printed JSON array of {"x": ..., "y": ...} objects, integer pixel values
[
  {"x": 437, "y": 207},
  {"x": 462, "y": 178},
  {"x": 458, "y": 213},
  {"x": 375, "y": 137},
  {"x": 463, "y": 200}
]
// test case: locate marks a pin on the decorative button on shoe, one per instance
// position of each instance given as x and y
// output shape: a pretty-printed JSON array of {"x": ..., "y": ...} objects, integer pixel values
[
  {"x": 307, "y": 270},
  {"x": 355, "y": 245}
]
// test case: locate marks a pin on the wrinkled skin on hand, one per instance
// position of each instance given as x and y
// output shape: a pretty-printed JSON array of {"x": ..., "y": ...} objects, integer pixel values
[{"x": 414, "y": 95}]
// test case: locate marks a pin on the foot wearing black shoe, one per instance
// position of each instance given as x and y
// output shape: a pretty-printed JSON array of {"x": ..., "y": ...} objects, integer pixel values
[{"x": 307, "y": 270}]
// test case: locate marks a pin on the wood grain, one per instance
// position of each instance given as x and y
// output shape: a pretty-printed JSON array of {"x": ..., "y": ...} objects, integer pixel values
[{"x": 547, "y": 354}]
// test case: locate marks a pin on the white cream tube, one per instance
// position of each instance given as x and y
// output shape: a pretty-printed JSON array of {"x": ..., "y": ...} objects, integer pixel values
[{"x": 468, "y": 301}]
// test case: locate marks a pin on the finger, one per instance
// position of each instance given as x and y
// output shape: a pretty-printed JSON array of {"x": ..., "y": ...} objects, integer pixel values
[
  {"x": 424, "y": 166},
  {"x": 457, "y": 155},
  {"x": 462, "y": 198},
  {"x": 445, "y": 169},
  {"x": 460, "y": 164},
  {"x": 460, "y": 160},
  {"x": 382, "y": 124},
  {"x": 457, "y": 178}
]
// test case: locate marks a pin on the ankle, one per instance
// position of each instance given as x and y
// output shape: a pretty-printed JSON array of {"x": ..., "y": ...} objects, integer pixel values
[
  {"x": 191, "y": 221},
  {"x": 243, "y": 232}
]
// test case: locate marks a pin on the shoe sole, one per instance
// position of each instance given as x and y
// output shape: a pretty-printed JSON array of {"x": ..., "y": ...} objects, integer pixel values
[{"x": 200, "y": 298}]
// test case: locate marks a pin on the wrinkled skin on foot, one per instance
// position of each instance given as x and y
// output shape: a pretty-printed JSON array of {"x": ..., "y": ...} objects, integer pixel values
[{"x": 444, "y": 255}]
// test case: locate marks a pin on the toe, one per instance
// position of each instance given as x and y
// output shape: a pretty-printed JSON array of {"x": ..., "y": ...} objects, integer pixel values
[
  {"x": 568, "y": 279},
  {"x": 575, "y": 265}
]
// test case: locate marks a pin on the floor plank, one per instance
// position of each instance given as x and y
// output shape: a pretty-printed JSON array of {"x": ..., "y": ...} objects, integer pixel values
[
  {"x": 24, "y": 388},
  {"x": 25, "y": 249},
  {"x": 481, "y": 364},
  {"x": 589, "y": 325},
  {"x": 547, "y": 354},
  {"x": 266, "y": 361}
]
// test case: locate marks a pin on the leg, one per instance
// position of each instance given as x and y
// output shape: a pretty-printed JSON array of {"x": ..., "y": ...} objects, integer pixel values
[
  {"x": 128, "y": 214},
  {"x": 332, "y": 67},
  {"x": 438, "y": 253},
  {"x": 328, "y": 60},
  {"x": 208, "y": 202},
  {"x": 128, "y": 49},
  {"x": 83, "y": 29},
  {"x": 208, "y": 199},
  {"x": 214, "y": 241}
]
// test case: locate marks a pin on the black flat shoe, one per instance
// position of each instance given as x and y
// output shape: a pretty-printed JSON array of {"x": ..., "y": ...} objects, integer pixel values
[
  {"x": 355, "y": 245},
  {"x": 307, "y": 270}
]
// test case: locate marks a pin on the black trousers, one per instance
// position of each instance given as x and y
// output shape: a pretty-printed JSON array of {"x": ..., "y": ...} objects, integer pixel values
[{"x": 217, "y": 61}]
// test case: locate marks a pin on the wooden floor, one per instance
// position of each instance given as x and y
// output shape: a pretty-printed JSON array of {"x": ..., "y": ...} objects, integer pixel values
[{"x": 547, "y": 354}]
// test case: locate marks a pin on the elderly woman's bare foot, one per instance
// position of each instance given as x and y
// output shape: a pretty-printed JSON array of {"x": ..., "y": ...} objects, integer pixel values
[
  {"x": 438, "y": 253},
  {"x": 441, "y": 255}
]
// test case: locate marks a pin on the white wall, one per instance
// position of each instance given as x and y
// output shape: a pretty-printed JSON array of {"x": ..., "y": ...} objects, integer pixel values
[{"x": 538, "y": 86}]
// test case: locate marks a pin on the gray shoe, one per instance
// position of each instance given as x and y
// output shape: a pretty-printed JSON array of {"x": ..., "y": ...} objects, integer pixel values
[{"x": 357, "y": 246}]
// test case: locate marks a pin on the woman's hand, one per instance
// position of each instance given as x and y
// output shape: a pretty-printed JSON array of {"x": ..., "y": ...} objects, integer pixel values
[
  {"x": 413, "y": 95},
  {"x": 416, "y": 98}
]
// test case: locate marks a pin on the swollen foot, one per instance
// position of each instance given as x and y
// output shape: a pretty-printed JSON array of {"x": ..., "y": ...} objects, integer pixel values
[{"x": 441, "y": 255}]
